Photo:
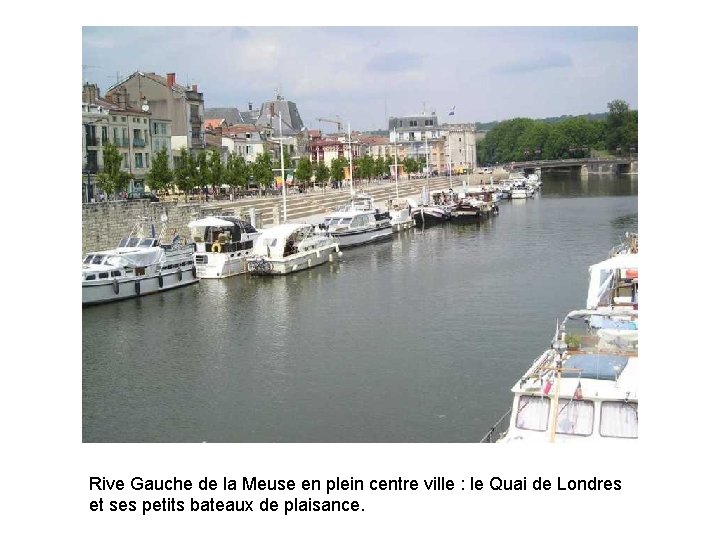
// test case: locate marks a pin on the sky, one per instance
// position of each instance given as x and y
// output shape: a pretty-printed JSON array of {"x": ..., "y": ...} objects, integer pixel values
[{"x": 365, "y": 74}]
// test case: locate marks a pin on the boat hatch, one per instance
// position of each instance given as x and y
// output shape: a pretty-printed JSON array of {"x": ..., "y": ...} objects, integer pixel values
[{"x": 597, "y": 366}]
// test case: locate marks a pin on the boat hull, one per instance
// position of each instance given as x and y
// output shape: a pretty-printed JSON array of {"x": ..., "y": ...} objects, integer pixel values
[
  {"x": 220, "y": 265},
  {"x": 100, "y": 292},
  {"x": 267, "y": 266},
  {"x": 358, "y": 238}
]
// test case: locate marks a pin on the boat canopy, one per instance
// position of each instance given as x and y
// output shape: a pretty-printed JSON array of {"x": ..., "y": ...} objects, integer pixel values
[
  {"x": 602, "y": 273},
  {"x": 596, "y": 366},
  {"x": 210, "y": 221}
]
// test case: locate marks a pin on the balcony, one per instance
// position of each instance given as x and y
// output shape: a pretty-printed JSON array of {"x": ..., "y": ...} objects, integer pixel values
[
  {"x": 90, "y": 168},
  {"x": 195, "y": 119},
  {"x": 197, "y": 142},
  {"x": 139, "y": 143},
  {"x": 121, "y": 142}
]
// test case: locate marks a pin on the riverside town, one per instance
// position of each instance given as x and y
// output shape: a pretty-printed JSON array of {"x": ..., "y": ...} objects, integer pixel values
[{"x": 255, "y": 273}]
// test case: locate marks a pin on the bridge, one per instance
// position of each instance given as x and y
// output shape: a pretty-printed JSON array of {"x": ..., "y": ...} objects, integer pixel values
[{"x": 622, "y": 165}]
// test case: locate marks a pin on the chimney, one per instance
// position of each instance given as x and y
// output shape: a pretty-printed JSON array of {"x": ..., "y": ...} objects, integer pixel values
[
  {"x": 170, "y": 79},
  {"x": 90, "y": 93},
  {"x": 194, "y": 87}
]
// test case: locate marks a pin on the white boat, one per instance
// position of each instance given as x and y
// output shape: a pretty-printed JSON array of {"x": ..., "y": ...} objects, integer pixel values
[
  {"x": 357, "y": 223},
  {"x": 585, "y": 388},
  {"x": 291, "y": 247},
  {"x": 400, "y": 211},
  {"x": 138, "y": 266},
  {"x": 223, "y": 244}
]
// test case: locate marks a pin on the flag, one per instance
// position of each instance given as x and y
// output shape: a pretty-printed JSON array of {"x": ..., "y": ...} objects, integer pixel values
[
  {"x": 578, "y": 392},
  {"x": 548, "y": 386},
  {"x": 452, "y": 111}
]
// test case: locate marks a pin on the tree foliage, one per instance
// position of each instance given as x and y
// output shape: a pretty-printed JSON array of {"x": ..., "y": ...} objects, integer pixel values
[
  {"x": 185, "y": 172},
  {"x": 160, "y": 176},
  {"x": 523, "y": 139},
  {"x": 365, "y": 167},
  {"x": 112, "y": 178},
  {"x": 322, "y": 173},
  {"x": 216, "y": 169},
  {"x": 262, "y": 170},
  {"x": 337, "y": 167},
  {"x": 304, "y": 170}
]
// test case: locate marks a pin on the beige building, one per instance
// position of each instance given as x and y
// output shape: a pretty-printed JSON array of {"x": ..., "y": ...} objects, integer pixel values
[{"x": 164, "y": 98}]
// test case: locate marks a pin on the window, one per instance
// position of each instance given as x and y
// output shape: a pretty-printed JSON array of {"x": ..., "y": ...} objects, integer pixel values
[
  {"x": 114, "y": 118},
  {"x": 144, "y": 120},
  {"x": 619, "y": 419},
  {"x": 104, "y": 133},
  {"x": 138, "y": 160},
  {"x": 428, "y": 122},
  {"x": 103, "y": 275},
  {"x": 532, "y": 413},
  {"x": 413, "y": 123},
  {"x": 89, "y": 277},
  {"x": 123, "y": 118},
  {"x": 575, "y": 417},
  {"x": 126, "y": 161}
]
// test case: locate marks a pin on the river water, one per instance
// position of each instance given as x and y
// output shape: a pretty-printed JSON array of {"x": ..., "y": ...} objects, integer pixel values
[{"x": 417, "y": 339}]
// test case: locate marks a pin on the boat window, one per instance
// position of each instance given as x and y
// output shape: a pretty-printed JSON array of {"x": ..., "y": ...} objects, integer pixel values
[
  {"x": 619, "y": 419},
  {"x": 334, "y": 221},
  {"x": 87, "y": 259},
  {"x": 97, "y": 259},
  {"x": 146, "y": 242},
  {"x": 132, "y": 242},
  {"x": 575, "y": 417},
  {"x": 103, "y": 275},
  {"x": 115, "y": 273},
  {"x": 533, "y": 413},
  {"x": 345, "y": 221},
  {"x": 90, "y": 277},
  {"x": 123, "y": 242}
]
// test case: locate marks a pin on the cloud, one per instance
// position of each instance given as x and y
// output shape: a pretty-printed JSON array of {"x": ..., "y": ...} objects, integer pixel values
[
  {"x": 538, "y": 63},
  {"x": 396, "y": 61}
]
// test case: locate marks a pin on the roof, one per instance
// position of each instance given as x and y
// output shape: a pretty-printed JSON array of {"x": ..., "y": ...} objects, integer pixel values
[
  {"x": 284, "y": 229},
  {"x": 214, "y": 123},
  {"x": 229, "y": 114},
  {"x": 625, "y": 260}
]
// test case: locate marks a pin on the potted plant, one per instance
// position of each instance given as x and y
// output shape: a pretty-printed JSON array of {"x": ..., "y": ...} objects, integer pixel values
[{"x": 572, "y": 341}]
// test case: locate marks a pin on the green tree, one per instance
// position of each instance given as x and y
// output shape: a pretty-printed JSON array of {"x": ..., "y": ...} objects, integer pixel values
[
  {"x": 304, "y": 171},
  {"x": 262, "y": 170},
  {"x": 622, "y": 130},
  {"x": 185, "y": 172},
  {"x": 216, "y": 169},
  {"x": 237, "y": 171},
  {"x": 322, "y": 173},
  {"x": 365, "y": 166},
  {"x": 112, "y": 178},
  {"x": 381, "y": 166},
  {"x": 160, "y": 176},
  {"x": 203, "y": 169},
  {"x": 337, "y": 167}
]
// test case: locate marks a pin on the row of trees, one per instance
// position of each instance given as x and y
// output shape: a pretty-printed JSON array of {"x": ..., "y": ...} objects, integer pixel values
[{"x": 522, "y": 139}]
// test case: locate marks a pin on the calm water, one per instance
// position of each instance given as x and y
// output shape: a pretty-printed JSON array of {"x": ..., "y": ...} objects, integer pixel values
[{"x": 418, "y": 339}]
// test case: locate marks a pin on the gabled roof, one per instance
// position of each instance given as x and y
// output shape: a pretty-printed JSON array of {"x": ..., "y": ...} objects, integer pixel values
[{"x": 230, "y": 114}]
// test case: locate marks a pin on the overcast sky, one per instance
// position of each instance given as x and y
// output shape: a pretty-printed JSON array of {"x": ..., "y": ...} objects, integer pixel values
[{"x": 365, "y": 74}]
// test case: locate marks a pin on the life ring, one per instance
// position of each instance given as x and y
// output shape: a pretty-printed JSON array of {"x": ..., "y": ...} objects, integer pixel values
[
  {"x": 116, "y": 286},
  {"x": 216, "y": 245},
  {"x": 137, "y": 288},
  {"x": 160, "y": 280}
]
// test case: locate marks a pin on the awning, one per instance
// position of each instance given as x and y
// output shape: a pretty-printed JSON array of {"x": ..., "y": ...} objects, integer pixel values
[{"x": 210, "y": 222}]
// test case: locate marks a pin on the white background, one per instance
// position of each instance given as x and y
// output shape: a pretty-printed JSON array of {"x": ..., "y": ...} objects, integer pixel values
[{"x": 669, "y": 476}]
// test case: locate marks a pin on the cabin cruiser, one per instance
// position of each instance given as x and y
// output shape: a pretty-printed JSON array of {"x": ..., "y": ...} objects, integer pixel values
[
  {"x": 400, "y": 211},
  {"x": 474, "y": 204},
  {"x": 357, "y": 223},
  {"x": 291, "y": 247},
  {"x": 584, "y": 388},
  {"x": 138, "y": 266},
  {"x": 437, "y": 207},
  {"x": 223, "y": 244}
]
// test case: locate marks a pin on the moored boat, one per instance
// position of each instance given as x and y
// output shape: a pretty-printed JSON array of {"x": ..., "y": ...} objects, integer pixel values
[
  {"x": 357, "y": 223},
  {"x": 141, "y": 264},
  {"x": 291, "y": 247},
  {"x": 223, "y": 244}
]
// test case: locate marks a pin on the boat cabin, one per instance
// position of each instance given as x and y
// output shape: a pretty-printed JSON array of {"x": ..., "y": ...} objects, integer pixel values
[{"x": 224, "y": 234}]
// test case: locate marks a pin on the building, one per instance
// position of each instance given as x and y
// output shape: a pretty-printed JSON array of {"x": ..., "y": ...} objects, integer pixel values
[
  {"x": 94, "y": 133},
  {"x": 442, "y": 146},
  {"x": 164, "y": 98},
  {"x": 247, "y": 141}
]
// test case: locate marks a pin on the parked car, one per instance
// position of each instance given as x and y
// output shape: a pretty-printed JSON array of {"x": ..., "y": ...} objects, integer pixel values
[{"x": 149, "y": 196}]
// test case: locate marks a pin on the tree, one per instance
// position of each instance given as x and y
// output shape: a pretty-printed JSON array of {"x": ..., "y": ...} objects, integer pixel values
[
  {"x": 365, "y": 166},
  {"x": 203, "y": 169},
  {"x": 621, "y": 131},
  {"x": 237, "y": 171},
  {"x": 337, "y": 166},
  {"x": 381, "y": 167},
  {"x": 160, "y": 176},
  {"x": 185, "y": 172},
  {"x": 216, "y": 170},
  {"x": 262, "y": 170},
  {"x": 304, "y": 171},
  {"x": 322, "y": 173},
  {"x": 112, "y": 178}
]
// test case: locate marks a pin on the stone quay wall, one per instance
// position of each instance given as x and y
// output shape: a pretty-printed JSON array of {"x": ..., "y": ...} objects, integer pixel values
[{"x": 104, "y": 224}]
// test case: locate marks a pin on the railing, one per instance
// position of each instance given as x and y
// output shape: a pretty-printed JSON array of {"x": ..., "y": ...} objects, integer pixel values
[
  {"x": 138, "y": 143},
  {"x": 121, "y": 143},
  {"x": 499, "y": 428},
  {"x": 195, "y": 119},
  {"x": 197, "y": 142}
]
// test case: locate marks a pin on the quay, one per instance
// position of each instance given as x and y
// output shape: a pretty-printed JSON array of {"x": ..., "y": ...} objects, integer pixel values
[{"x": 103, "y": 223}]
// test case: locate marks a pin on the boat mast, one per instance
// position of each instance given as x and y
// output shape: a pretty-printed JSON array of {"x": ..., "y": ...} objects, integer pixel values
[
  {"x": 397, "y": 188},
  {"x": 350, "y": 150},
  {"x": 282, "y": 172}
]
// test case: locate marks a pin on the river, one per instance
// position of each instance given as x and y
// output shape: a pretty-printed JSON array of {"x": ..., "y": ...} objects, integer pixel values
[{"x": 417, "y": 339}]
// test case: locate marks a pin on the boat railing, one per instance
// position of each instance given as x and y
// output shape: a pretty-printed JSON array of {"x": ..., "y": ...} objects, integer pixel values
[{"x": 498, "y": 429}]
